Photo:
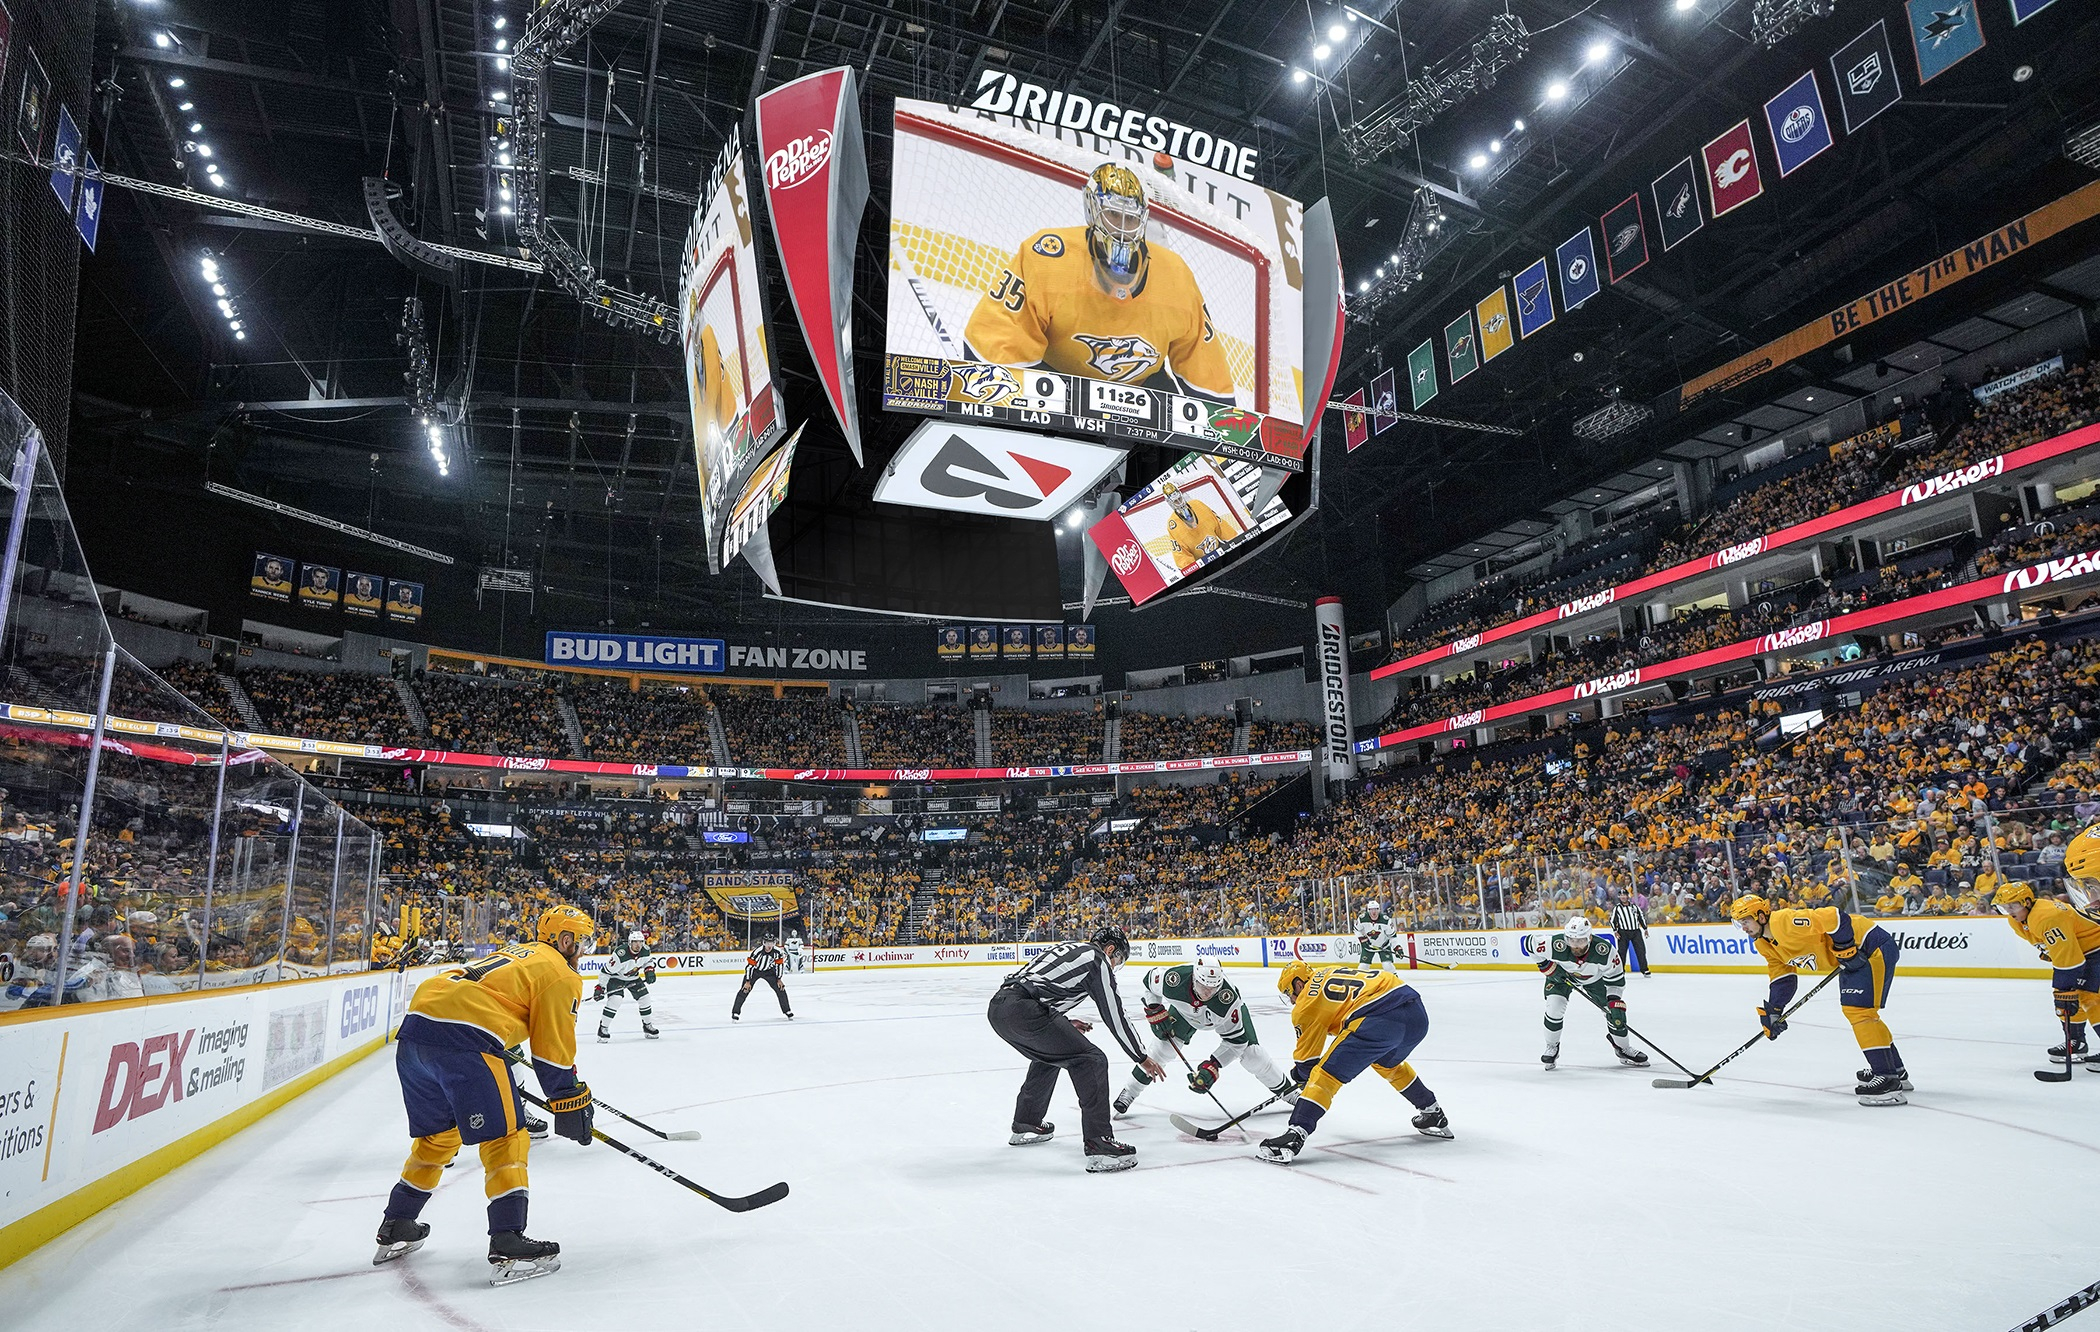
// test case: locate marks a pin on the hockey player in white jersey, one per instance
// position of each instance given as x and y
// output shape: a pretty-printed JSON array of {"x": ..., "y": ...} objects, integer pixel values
[
  {"x": 1580, "y": 958},
  {"x": 794, "y": 951},
  {"x": 1192, "y": 997},
  {"x": 630, "y": 969},
  {"x": 1374, "y": 938}
]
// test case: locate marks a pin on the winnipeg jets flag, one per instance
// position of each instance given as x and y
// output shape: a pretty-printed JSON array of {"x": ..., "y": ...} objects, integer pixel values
[{"x": 1576, "y": 257}]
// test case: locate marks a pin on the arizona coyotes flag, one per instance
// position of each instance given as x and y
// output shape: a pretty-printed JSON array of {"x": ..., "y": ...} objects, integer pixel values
[
  {"x": 1354, "y": 428},
  {"x": 816, "y": 171},
  {"x": 1731, "y": 170}
]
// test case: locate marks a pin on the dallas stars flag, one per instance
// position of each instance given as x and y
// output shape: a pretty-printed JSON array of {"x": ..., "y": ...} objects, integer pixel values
[
  {"x": 1461, "y": 353},
  {"x": 1677, "y": 204},
  {"x": 1421, "y": 373},
  {"x": 1865, "y": 70},
  {"x": 1385, "y": 402},
  {"x": 1534, "y": 299},
  {"x": 1576, "y": 257},
  {"x": 1799, "y": 124},
  {"x": 1943, "y": 33},
  {"x": 1496, "y": 336},
  {"x": 1625, "y": 239}
]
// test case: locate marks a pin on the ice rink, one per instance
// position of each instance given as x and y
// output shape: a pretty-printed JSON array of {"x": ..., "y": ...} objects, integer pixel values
[{"x": 1578, "y": 1199}]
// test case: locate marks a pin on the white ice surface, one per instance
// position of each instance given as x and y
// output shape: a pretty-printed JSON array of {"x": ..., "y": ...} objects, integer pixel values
[{"x": 1582, "y": 1198}]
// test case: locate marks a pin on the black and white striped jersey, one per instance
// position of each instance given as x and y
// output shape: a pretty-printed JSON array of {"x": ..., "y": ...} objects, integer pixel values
[
  {"x": 1063, "y": 974},
  {"x": 1628, "y": 917}
]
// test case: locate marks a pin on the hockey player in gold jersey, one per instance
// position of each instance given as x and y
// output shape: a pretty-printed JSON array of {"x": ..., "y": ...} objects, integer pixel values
[
  {"x": 456, "y": 1084},
  {"x": 1349, "y": 1019},
  {"x": 1194, "y": 527},
  {"x": 2070, "y": 942},
  {"x": 1103, "y": 301},
  {"x": 1865, "y": 956}
]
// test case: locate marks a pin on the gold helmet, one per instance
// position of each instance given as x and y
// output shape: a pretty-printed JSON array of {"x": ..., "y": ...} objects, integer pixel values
[
  {"x": 1116, "y": 214},
  {"x": 2013, "y": 893},
  {"x": 1293, "y": 977},
  {"x": 556, "y": 921},
  {"x": 2082, "y": 856},
  {"x": 1748, "y": 905}
]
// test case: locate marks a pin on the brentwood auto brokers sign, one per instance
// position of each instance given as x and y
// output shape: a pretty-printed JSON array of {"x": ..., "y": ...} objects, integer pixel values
[{"x": 693, "y": 656}]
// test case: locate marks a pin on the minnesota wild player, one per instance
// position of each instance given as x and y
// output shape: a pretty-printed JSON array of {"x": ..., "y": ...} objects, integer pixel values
[
  {"x": 1374, "y": 938},
  {"x": 1192, "y": 997},
  {"x": 1580, "y": 958}
]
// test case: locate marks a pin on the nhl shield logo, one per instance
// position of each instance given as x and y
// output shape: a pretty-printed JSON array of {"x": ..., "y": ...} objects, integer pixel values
[{"x": 475, "y": 1121}]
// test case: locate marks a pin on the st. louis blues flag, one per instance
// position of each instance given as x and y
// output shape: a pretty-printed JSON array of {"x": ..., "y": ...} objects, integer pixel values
[
  {"x": 1677, "y": 204},
  {"x": 1865, "y": 70},
  {"x": 1799, "y": 124},
  {"x": 1576, "y": 257},
  {"x": 1943, "y": 33},
  {"x": 1534, "y": 299}
]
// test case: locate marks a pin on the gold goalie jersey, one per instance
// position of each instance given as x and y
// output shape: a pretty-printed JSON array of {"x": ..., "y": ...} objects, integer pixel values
[{"x": 1048, "y": 308}]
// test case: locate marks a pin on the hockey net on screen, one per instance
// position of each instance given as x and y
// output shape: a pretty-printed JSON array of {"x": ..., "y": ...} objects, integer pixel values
[
  {"x": 967, "y": 192},
  {"x": 720, "y": 309}
]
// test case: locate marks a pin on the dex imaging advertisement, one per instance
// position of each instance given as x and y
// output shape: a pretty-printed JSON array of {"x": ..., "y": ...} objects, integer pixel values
[
  {"x": 728, "y": 357},
  {"x": 1195, "y": 515},
  {"x": 1075, "y": 266}
]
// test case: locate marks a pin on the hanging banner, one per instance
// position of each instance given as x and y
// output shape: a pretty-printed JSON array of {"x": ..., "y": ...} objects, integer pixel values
[
  {"x": 1576, "y": 258},
  {"x": 1460, "y": 351},
  {"x": 31, "y": 112},
  {"x": 1337, "y": 728},
  {"x": 1014, "y": 642},
  {"x": 65, "y": 158},
  {"x": 1732, "y": 179},
  {"x": 1079, "y": 641},
  {"x": 404, "y": 602},
  {"x": 1625, "y": 239},
  {"x": 1943, "y": 33},
  {"x": 87, "y": 207},
  {"x": 363, "y": 594},
  {"x": 1356, "y": 430},
  {"x": 1534, "y": 299},
  {"x": 320, "y": 586},
  {"x": 1865, "y": 70},
  {"x": 948, "y": 642},
  {"x": 1677, "y": 204},
  {"x": 753, "y": 896},
  {"x": 271, "y": 577},
  {"x": 1385, "y": 401},
  {"x": 1049, "y": 642},
  {"x": 1421, "y": 373},
  {"x": 1496, "y": 336},
  {"x": 1800, "y": 126},
  {"x": 984, "y": 642}
]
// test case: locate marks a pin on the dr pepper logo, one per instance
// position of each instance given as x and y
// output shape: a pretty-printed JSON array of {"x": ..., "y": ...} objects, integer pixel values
[
  {"x": 798, "y": 160},
  {"x": 1125, "y": 560}
]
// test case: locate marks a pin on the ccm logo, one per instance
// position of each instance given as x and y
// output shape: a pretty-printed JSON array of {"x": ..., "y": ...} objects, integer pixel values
[
  {"x": 798, "y": 160},
  {"x": 360, "y": 1011},
  {"x": 141, "y": 1078}
]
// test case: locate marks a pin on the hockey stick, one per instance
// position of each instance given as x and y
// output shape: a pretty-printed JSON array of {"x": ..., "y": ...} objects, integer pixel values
[
  {"x": 2050, "y": 1074},
  {"x": 1708, "y": 1075},
  {"x": 1195, "y": 1130},
  {"x": 1634, "y": 1032},
  {"x": 1183, "y": 1055},
  {"x": 2062, "y": 1309},
  {"x": 918, "y": 289},
  {"x": 765, "y": 1197},
  {"x": 683, "y": 1135}
]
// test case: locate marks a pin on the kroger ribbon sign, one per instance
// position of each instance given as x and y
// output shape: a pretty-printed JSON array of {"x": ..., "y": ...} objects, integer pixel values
[{"x": 636, "y": 652}]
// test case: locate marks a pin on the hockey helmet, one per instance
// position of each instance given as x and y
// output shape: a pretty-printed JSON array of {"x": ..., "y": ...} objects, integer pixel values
[
  {"x": 1577, "y": 931},
  {"x": 1110, "y": 939},
  {"x": 1206, "y": 978},
  {"x": 637, "y": 937},
  {"x": 1748, "y": 905},
  {"x": 1116, "y": 214},
  {"x": 2082, "y": 856},
  {"x": 1293, "y": 979},
  {"x": 556, "y": 921},
  {"x": 1372, "y": 908},
  {"x": 2012, "y": 893}
]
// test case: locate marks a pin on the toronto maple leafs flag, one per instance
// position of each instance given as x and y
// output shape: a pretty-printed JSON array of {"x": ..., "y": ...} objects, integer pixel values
[
  {"x": 1576, "y": 257},
  {"x": 1799, "y": 124},
  {"x": 87, "y": 206},
  {"x": 1865, "y": 70}
]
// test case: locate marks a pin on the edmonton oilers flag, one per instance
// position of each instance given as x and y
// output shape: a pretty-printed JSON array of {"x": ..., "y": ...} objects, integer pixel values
[
  {"x": 1576, "y": 257},
  {"x": 1799, "y": 124}
]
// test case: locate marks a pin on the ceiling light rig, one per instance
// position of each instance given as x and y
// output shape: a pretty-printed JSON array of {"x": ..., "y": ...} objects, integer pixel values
[
  {"x": 214, "y": 279},
  {"x": 1614, "y": 418},
  {"x": 1773, "y": 21},
  {"x": 420, "y": 379},
  {"x": 1505, "y": 42},
  {"x": 1428, "y": 231}
]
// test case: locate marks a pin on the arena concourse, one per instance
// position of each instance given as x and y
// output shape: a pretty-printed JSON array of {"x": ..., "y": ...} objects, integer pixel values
[{"x": 700, "y": 657}]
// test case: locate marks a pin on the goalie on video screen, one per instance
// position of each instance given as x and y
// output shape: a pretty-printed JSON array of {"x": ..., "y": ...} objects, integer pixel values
[{"x": 1100, "y": 300}]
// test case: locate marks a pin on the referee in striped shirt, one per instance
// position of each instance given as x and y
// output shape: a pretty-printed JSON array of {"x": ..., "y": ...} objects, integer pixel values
[
  {"x": 1029, "y": 1011},
  {"x": 1630, "y": 923}
]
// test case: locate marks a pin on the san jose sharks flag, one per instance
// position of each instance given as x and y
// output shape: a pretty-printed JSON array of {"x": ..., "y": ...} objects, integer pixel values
[
  {"x": 1421, "y": 373},
  {"x": 1865, "y": 70},
  {"x": 1534, "y": 299},
  {"x": 1677, "y": 204},
  {"x": 1576, "y": 257},
  {"x": 1460, "y": 351},
  {"x": 1799, "y": 124},
  {"x": 1625, "y": 239},
  {"x": 1943, "y": 33}
]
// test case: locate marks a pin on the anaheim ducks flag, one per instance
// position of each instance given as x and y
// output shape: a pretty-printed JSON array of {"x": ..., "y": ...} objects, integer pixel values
[
  {"x": 1625, "y": 240},
  {"x": 816, "y": 173}
]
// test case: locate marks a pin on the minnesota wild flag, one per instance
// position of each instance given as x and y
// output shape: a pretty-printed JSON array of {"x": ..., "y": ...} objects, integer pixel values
[
  {"x": 1421, "y": 373},
  {"x": 1461, "y": 353},
  {"x": 1496, "y": 336}
]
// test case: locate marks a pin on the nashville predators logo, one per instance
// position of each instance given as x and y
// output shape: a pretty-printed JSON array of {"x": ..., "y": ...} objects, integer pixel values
[
  {"x": 985, "y": 383},
  {"x": 1125, "y": 357}
]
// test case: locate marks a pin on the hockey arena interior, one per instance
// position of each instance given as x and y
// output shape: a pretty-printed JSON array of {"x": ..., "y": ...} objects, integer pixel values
[{"x": 832, "y": 664}]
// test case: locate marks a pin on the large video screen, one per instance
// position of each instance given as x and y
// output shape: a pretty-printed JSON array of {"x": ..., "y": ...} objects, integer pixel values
[
  {"x": 1157, "y": 301},
  {"x": 728, "y": 356},
  {"x": 1194, "y": 516}
]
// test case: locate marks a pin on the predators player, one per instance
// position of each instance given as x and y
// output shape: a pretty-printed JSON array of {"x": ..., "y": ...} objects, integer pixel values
[
  {"x": 1865, "y": 956},
  {"x": 1194, "y": 530},
  {"x": 1580, "y": 958},
  {"x": 1192, "y": 997},
  {"x": 1374, "y": 938},
  {"x": 1103, "y": 301},
  {"x": 2070, "y": 940},
  {"x": 1374, "y": 1020},
  {"x": 457, "y": 1086}
]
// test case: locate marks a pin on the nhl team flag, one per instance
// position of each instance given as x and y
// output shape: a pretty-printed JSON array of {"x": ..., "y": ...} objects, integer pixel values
[
  {"x": 87, "y": 209},
  {"x": 65, "y": 157},
  {"x": 1625, "y": 240},
  {"x": 1460, "y": 351},
  {"x": 1496, "y": 336},
  {"x": 1354, "y": 429},
  {"x": 1421, "y": 373},
  {"x": 1577, "y": 258},
  {"x": 1731, "y": 170},
  {"x": 1799, "y": 124},
  {"x": 1534, "y": 299},
  {"x": 1385, "y": 402},
  {"x": 2024, "y": 10},
  {"x": 1865, "y": 70},
  {"x": 1677, "y": 204},
  {"x": 1943, "y": 33}
]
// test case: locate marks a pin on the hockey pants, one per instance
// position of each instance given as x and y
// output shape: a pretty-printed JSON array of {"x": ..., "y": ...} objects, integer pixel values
[
  {"x": 1379, "y": 1037},
  {"x": 1251, "y": 1056},
  {"x": 1863, "y": 991},
  {"x": 1608, "y": 995},
  {"x": 640, "y": 991},
  {"x": 1051, "y": 1043},
  {"x": 456, "y": 1096},
  {"x": 771, "y": 978}
]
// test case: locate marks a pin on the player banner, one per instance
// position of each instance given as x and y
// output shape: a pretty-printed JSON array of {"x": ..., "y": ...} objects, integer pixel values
[
  {"x": 1865, "y": 70},
  {"x": 1049, "y": 642},
  {"x": 1079, "y": 641},
  {"x": 1421, "y": 373},
  {"x": 1534, "y": 299},
  {"x": 363, "y": 595},
  {"x": 1014, "y": 642},
  {"x": 1065, "y": 263},
  {"x": 404, "y": 602},
  {"x": 1190, "y": 517},
  {"x": 1799, "y": 124},
  {"x": 948, "y": 642},
  {"x": 1625, "y": 239},
  {"x": 984, "y": 642},
  {"x": 271, "y": 577},
  {"x": 320, "y": 586}
]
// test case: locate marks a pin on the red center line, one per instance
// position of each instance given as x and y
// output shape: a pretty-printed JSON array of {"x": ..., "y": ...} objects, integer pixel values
[{"x": 437, "y": 1306}]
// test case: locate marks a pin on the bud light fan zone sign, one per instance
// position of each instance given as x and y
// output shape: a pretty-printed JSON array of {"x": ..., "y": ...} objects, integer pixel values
[{"x": 635, "y": 652}]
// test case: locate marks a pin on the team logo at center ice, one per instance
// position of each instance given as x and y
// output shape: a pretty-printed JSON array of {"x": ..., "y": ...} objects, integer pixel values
[
  {"x": 1798, "y": 125},
  {"x": 1125, "y": 356}
]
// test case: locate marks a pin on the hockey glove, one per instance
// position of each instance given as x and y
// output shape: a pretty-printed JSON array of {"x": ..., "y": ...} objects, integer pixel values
[
  {"x": 1161, "y": 1021},
  {"x": 1774, "y": 1023},
  {"x": 649, "y": 975},
  {"x": 597, "y": 993},
  {"x": 1303, "y": 1070},
  {"x": 573, "y": 1114},
  {"x": 1205, "y": 1077},
  {"x": 2067, "y": 1005}
]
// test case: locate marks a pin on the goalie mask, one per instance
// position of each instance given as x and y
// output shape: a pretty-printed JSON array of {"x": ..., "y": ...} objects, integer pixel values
[{"x": 1116, "y": 213}]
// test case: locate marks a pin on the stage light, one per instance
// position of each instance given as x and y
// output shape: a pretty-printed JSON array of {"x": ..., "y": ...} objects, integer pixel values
[
  {"x": 1479, "y": 160},
  {"x": 1556, "y": 90},
  {"x": 1322, "y": 51},
  {"x": 178, "y": 83},
  {"x": 1599, "y": 52},
  {"x": 1517, "y": 128},
  {"x": 1494, "y": 145},
  {"x": 1299, "y": 76},
  {"x": 162, "y": 40},
  {"x": 1337, "y": 33}
]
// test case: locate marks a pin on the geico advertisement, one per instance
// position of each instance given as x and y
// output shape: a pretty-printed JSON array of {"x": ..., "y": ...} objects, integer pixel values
[{"x": 85, "y": 1093}]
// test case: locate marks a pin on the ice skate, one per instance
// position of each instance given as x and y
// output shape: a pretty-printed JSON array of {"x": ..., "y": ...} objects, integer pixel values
[
  {"x": 1866, "y": 1075},
  {"x": 1284, "y": 1147},
  {"x": 1106, "y": 1154},
  {"x": 1027, "y": 1135},
  {"x": 649, "y": 1030},
  {"x": 537, "y": 1128},
  {"x": 1431, "y": 1123},
  {"x": 1125, "y": 1099},
  {"x": 1551, "y": 1059},
  {"x": 1631, "y": 1057},
  {"x": 398, "y": 1236},
  {"x": 514, "y": 1258},
  {"x": 603, "y": 1036},
  {"x": 1882, "y": 1089}
]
